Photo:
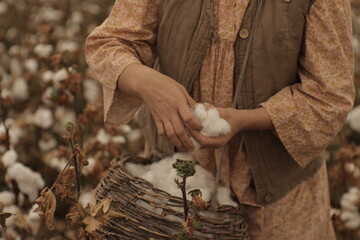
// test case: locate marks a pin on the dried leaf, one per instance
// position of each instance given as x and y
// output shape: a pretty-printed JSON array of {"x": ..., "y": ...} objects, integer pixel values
[
  {"x": 47, "y": 206},
  {"x": 73, "y": 216},
  {"x": 3, "y": 217},
  {"x": 199, "y": 203},
  {"x": 65, "y": 185},
  {"x": 99, "y": 214},
  {"x": 188, "y": 226}
]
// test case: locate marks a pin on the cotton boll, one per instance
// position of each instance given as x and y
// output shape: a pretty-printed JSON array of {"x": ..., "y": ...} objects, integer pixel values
[
  {"x": 125, "y": 129},
  {"x": 20, "y": 89},
  {"x": 46, "y": 145},
  {"x": 28, "y": 181},
  {"x": 86, "y": 198},
  {"x": 103, "y": 137},
  {"x": 118, "y": 139},
  {"x": 353, "y": 118},
  {"x": 92, "y": 90},
  {"x": 89, "y": 169},
  {"x": 62, "y": 116},
  {"x": 46, "y": 97},
  {"x": 5, "y": 93},
  {"x": 31, "y": 65},
  {"x": 43, "y": 50},
  {"x": 352, "y": 169},
  {"x": 59, "y": 76},
  {"x": 350, "y": 208},
  {"x": 7, "y": 198},
  {"x": 134, "y": 135},
  {"x": 9, "y": 222},
  {"x": 92, "y": 8},
  {"x": 351, "y": 219},
  {"x": 3, "y": 7},
  {"x": 9, "y": 158},
  {"x": 47, "y": 76},
  {"x": 77, "y": 17},
  {"x": 34, "y": 220},
  {"x": 49, "y": 14},
  {"x": 67, "y": 46},
  {"x": 43, "y": 118},
  {"x": 15, "y": 134},
  {"x": 58, "y": 163},
  {"x": 11, "y": 34},
  {"x": 15, "y": 67}
]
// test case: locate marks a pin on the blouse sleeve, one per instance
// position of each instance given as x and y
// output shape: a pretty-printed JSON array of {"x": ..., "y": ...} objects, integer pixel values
[
  {"x": 127, "y": 36},
  {"x": 308, "y": 115}
]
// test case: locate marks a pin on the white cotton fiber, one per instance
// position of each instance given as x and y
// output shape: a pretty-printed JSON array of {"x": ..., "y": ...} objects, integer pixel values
[
  {"x": 20, "y": 89},
  {"x": 350, "y": 208},
  {"x": 43, "y": 118},
  {"x": 59, "y": 76},
  {"x": 224, "y": 196},
  {"x": 28, "y": 181},
  {"x": 31, "y": 65},
  {"x": 353, "y": 119},
  {"x": 213, "y": 124},
  {"x": 103, "y": 137},
  {"x": 86, "y": 198},
  {"x": 89, "y": 169},
  {"x": 9, "y": 158},
  {"x": 6, "y": 198},
  {"x": 43, "y": 50},
  {"x": 161, "y": 174}
]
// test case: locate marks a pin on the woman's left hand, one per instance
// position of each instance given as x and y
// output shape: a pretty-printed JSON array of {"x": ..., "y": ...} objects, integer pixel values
[
  {"x": 239, "y": 120},
  {"x": 232, "y": 116}
]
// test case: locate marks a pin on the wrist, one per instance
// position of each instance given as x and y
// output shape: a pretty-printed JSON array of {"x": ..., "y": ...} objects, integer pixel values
[
  {"x": 128, "y": 81},
  {"x": 255, "y": 119}
]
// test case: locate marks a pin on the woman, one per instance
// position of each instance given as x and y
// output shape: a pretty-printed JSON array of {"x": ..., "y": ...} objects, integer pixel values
[{"x": 296, "y": 88}]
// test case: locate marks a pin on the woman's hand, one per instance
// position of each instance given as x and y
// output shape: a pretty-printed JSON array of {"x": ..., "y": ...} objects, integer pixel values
[
  {"x": 167, "y": 100},
  {"x": 239, "y": 120}
]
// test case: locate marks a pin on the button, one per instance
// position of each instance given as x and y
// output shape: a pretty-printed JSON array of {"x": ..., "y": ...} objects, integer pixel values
[
  {"x": 244, "y": 33},
  {"x": 268, "y": 197}
]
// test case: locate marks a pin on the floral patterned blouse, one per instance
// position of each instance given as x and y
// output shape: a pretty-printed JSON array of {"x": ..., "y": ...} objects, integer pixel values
[{"x": 306, "y": 115}]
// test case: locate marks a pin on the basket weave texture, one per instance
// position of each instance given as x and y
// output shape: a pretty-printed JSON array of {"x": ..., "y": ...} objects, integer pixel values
[{"x": 154, "y": 214}]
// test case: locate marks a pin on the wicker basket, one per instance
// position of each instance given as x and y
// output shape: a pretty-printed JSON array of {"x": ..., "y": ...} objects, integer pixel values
[{"x": 155, "y": 214}]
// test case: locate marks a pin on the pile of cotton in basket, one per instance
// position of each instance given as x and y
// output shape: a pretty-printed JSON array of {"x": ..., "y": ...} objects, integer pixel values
[
  {"x": 213, "y": 124},
  {"x": 161, "y": 174}
]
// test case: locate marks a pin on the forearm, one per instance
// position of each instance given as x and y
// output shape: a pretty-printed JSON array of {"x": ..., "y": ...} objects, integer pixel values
[{"x": 254, "y": 119}]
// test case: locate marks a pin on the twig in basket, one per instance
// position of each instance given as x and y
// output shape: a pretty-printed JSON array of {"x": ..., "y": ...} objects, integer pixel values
[{"x": 184, "y": 169}]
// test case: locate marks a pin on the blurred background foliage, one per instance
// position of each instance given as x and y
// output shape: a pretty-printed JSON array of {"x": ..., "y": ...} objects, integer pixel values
[{"x": 45, "y": 83}]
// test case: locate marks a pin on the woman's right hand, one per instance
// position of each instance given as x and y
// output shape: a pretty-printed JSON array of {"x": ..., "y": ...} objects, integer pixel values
[{"x": 168, "y": 101}]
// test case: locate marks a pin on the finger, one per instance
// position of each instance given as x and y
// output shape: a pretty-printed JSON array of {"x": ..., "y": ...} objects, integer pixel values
[
  {"x": 170, "y": 132},
  {"x": 205, "y": 142},
  {"x": 160, "y": 128},
  {"x": 182, "y": 134},
  {"x": 188, "y": 117}
]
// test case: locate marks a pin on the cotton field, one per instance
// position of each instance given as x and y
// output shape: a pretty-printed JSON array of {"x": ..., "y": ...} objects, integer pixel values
[{"x": 55, "y": 149}]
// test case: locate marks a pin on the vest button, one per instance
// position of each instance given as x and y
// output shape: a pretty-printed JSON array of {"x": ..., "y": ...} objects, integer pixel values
[
  {"x": 268, "y": 197},
  {"x": 244, "y": 33}
]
